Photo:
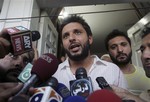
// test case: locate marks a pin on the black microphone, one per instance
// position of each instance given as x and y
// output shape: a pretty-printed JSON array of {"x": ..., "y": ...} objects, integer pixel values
[
  {"x": 43, "y": 68},
  {"x": 103, "y": 83},
  {"x": 52, "y": 82},
  {"x": 35, "y": 35},
  {"x": 82, "y": 86}
]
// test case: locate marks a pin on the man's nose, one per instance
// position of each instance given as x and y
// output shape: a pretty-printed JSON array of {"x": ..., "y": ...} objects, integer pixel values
[
  {"x": 120, "y": 48},
  {"x": 146, "y": 53},
  {"x": 18, "y": 62},
  {"x": 72, "y": 37}
]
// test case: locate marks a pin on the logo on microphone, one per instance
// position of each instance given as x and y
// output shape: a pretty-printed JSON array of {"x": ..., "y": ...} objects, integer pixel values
[
  {"x": 81, "y": 88},
  {"x": 26, "y": 73},
  {"x": 45, "y": 94}
]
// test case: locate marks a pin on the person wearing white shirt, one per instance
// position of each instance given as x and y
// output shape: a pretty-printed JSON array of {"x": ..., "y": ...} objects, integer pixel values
[{"x": 76, "y": 37}]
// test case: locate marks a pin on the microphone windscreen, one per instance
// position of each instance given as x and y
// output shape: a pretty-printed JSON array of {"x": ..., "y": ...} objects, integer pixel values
[
  {"x": 45, "y": 66},
  {"x": 63, "y": 91},
  {"x": 103, "y": 96},
  {"x": 35, "y": 35},
  {"x": 75, "y": 99}
]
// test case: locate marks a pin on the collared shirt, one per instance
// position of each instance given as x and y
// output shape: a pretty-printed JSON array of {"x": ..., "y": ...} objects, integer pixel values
[{"x": 99, "y": 68}]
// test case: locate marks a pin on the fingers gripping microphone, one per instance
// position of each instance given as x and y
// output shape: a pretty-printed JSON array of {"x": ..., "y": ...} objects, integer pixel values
[
  {"x": 103, "y": 95},
  {"x": 42, "y": 69},
  {"x": 82, "y": 86}
]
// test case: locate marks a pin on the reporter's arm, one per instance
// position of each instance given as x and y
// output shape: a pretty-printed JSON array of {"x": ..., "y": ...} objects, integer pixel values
[{"x": 125, "y": 94}]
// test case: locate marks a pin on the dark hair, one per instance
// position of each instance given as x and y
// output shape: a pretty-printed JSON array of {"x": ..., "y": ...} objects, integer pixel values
[
  {"x": 78, "y": 19},
  {"x": 114, "y": 34},
  {"x": 145, "y": 31}
]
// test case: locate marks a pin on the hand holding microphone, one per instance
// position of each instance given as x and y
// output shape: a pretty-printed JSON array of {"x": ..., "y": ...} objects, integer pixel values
[
  {"x": 42, "y": 70},
  {"x": 17, "y": 40}
]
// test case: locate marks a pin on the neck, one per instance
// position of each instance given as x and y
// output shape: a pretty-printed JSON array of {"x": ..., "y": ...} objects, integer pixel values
[
  {"x": 86, "y": 63},
  {"x": 127, "y": 69}
]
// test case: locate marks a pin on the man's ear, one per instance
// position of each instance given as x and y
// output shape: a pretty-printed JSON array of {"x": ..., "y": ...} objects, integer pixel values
[{"x": 90, "y": 40}]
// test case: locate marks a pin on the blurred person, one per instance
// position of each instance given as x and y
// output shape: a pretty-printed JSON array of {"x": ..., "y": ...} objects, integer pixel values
[
  {"x": 106, "y": 57},
  {"x": 11, "y": 66},
  {"x": 76, "y": 37},
  {"x": 118, "y": 45},
  {"x": 145, "y": 51},
  {"x": 145, "y": 58}
]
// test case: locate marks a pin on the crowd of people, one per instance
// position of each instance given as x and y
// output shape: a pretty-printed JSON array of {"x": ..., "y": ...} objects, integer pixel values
[{"x": 128, "y": 81}]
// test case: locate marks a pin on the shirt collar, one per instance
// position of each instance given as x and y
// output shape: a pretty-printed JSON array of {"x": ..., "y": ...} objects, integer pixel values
[{"x": 97, "y": 61}]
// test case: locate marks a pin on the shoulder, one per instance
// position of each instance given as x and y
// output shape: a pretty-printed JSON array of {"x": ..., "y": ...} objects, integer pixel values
[{"x": 106, "y": 65}]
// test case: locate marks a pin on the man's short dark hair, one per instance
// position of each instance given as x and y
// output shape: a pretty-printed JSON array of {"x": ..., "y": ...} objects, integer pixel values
[
  {"x": 113, "y": 34},
  {"x": 145, "y": 31},
  {"x": 78, "y": 19}
]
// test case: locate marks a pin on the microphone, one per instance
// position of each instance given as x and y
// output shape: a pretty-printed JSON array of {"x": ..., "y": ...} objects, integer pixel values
[
  {"x": 20, "y": 38},
  {"x": 47, "y": 92},
  {"x": 52, "y": 82},
  {"x": 43, "y": 68},
  {"x": 82, "y": 86},
  {"x": 35, "y": 35},
  {"x": 75, "y": 99},
  {"x": 103, "y": 95},
  {"x": 63, "y": 91},
  {"x": 103, "y": 83}
]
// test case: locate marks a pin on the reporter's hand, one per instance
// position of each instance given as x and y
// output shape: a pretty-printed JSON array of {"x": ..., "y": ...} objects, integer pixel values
[
  {"x": 5, "y": 44},
  {"x": 125, "y": 94},
  {"x": 6, "y": 64},
  {"x": 7, "y": 90}
]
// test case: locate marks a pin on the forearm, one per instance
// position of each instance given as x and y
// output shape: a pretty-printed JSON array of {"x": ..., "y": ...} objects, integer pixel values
[{"x": 136, "y": 98}]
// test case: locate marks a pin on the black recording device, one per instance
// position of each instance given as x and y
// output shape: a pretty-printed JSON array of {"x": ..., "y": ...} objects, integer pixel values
[{"x": 103, "y": 83}]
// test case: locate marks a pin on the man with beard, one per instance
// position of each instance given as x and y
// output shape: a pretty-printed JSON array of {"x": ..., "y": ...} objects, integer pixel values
[
  {"x": 11, "y": 66},
  {"x": 76, "y": 39},
  {"x": 145, "y": 58},
  {"x": 118, "y": 46}
]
